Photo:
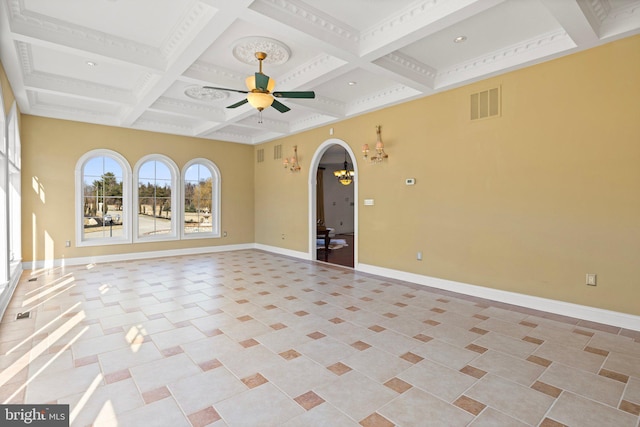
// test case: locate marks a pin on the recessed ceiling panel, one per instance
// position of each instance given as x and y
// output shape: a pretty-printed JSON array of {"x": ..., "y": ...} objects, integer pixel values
[
  {"x": 353, "y": 85},
  {"x": 508, "y": 23},
  {"x": 69, "y": 104},
  {"x": 148, "y": 22},
  {"x": 360, "y": 14},
  {"x": 56, "y": 63}
]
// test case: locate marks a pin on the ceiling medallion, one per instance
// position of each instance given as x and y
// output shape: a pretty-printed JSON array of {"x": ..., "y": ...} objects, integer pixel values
[
  {"x": 204, "y": 94},
  {"x": 245, "y": 50}
]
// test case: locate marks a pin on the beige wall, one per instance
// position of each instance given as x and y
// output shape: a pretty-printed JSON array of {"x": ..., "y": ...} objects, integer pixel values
[
  {"x": 7, "y": 93},
  {"x": 529, "y": 202},
  {"x": 50, "y": 151}
]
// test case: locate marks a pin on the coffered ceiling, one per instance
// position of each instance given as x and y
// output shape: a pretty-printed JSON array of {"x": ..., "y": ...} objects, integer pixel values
[{"x": 132, "y": 63}]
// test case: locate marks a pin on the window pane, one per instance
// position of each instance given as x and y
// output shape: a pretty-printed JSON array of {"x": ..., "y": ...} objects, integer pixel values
[
  {"x": 102, "y": 198},
  {"x": 198, "y": 199},
  {"x": 154, "y": 199}
]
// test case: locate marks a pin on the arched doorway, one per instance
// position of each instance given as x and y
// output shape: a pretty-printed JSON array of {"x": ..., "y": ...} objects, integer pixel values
[{"x": 345, "y": 230}]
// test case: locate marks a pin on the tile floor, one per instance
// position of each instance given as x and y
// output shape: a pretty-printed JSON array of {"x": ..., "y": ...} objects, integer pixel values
[{"x": 249, "y": 338}]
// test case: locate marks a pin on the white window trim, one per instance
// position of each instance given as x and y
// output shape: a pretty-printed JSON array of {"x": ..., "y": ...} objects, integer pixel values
[
  {"x": 175, "y": 199},
  {"x": 126, "y": 200},
  {"x": 4, "y": 205},
  {"x": 215, "y": 203},
  {"x": 14, "y": 188}
]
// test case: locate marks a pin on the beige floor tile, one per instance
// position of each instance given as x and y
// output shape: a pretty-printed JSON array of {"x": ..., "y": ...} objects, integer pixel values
[
  {"x": 508, "y": 367},
  {"x": 326, "y": 351},
  {"x": 355, "y": 394},
  {"x": 377, "y": 364},
  {"x": 184, "y": 314},
  {"x": 283, "y": 339},
  {"x": 445, "y": 354},
  {"x": 161, "y": 413},
  {"x": 129, "y": 357},
  {"x": 592, "y": 386},
  {"x": 492, "y": 418},
  {"x": 119, "y": 320},
  {"x": 211, "y": 348},
  {"x": 415, "y": 407},
  {"x": 438, "y": 380},
  {"x": 616, "y": 343},
  {"x": 161, "y": 307},
  {"x": 624, "y": 364},
  {"x": 49, "y": 387},
  {"x": 100, "y": 405},
  {"x": 506, "y": 344},
  {"x": 324, "y": 415},
  {"x": 205, "y": 389},
  {"x": 297, "y": 376},
  {"x": 632, "y": 391},
  {"x": 570, "y": 356},
  {"x": 157, "y": 373},
  {"x": 264, "y": 406},
  {"x": 241, "y": 331},
  {"x": 452, "y": 334},
  {"x": 561, "y": 336},
  {"x": 249, "y": 361},
  {"x": 178, "y": 336},
  {"x": 515, "y": 400},
  {"x": 573, "y": 410},
  {"x": 392, "y": 342},
  {"x": 98, "y": 345}
]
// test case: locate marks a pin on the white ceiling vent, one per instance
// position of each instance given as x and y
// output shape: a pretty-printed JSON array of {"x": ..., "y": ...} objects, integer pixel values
[
  {"x": 486, "y": 104},
  {"x": 260, "y": 155}
]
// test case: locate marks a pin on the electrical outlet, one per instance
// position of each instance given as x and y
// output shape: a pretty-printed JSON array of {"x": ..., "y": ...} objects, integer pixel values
[
  {"x": 592, "y": 279},
  {"x": 284, "y": 236},
  {"x": 67, "y": 243},
  {"x": 419, "y": 256},
  {"x": 224, "y": 234}
]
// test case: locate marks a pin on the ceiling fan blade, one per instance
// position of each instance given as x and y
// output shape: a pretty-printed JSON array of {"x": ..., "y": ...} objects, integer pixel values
[
  {"x": 237, "y": 104},
  {"x": 262, "y": 81},
  {"x": 225, "y": 89},
  {"x": 298, "y": 94},
  {"x": 280, "y": 106}
]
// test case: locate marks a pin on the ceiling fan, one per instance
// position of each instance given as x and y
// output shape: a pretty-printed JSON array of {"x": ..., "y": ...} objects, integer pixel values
[{"x": 260, "y": 91}]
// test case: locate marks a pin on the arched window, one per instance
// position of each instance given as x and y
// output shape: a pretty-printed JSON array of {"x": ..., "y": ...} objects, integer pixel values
[
  {"x": 201, "y": 199},
  {"x": 156, "y": 199},
  {"x": 103, "y": 201}
]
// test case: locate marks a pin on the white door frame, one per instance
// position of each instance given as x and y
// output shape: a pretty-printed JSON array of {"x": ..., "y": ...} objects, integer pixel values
[{"x": 313, "y": 169}]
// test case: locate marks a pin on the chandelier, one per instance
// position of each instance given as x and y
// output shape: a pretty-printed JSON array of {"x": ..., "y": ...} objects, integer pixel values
[{"x": 346, "y": 174}]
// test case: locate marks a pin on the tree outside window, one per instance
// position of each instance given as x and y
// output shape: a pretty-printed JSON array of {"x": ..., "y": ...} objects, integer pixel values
[
  {"x": 102, "y": 198},
  {"x": 198, "y": 199}
]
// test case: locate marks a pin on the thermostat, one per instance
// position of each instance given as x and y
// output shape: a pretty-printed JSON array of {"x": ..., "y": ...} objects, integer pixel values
[{"x": 410, "y": 181}]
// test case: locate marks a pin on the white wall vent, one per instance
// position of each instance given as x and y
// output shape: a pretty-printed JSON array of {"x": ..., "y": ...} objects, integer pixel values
[
  {"x": 486, "y": 104},
  {"x": 277, "y": 152},
  {"x": 260, "y": 155}
]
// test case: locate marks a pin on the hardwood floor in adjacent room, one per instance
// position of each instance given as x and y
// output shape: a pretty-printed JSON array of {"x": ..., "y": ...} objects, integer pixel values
[{"x": 342, "y": 256}]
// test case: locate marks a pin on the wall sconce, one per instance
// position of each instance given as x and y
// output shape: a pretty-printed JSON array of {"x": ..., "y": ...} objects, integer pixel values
[
  {"x": 292, "y": 162},
  {"x": 380, "y": 155}
]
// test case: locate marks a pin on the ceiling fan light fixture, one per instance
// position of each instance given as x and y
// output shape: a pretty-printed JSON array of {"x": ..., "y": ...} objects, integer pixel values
[{"x": 259, "y": 100}]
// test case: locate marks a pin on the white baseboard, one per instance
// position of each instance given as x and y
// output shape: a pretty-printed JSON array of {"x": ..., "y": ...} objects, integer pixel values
[
  {"x": 65, "y": 262},
  {"x": 8, "y": 289},
  {"x": 282, "y": 251},
  {"x": 593, "y": 314}
]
